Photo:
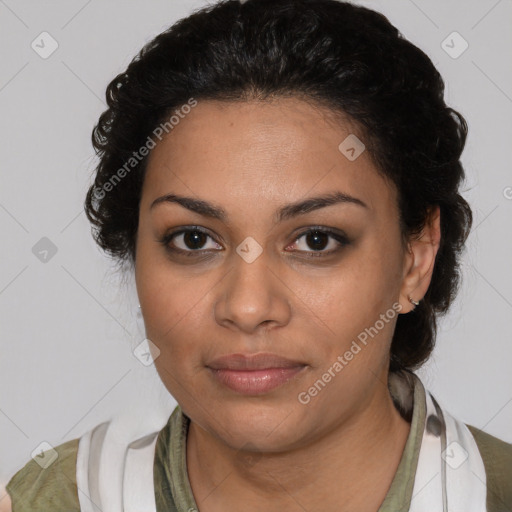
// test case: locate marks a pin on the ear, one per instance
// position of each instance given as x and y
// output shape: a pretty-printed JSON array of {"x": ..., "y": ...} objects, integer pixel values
[{"x": 419, "y": 261}]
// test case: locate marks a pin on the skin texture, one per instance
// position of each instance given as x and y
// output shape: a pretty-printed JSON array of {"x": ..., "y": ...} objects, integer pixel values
[{"x": 340, "y": 451}]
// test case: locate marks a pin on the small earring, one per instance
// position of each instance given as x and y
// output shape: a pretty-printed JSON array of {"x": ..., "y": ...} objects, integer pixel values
[
  {"x": 412, "y": 301},
  {"x": 139, "y": 320}
]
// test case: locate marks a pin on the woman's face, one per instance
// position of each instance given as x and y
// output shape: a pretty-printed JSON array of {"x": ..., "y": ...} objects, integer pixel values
[{"x": 252, "y": 281}]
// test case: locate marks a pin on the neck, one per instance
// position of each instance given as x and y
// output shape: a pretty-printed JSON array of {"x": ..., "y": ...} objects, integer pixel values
[{"x": 336, "y": 470}]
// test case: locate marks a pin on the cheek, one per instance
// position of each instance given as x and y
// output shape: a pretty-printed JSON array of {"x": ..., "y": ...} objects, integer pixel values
[
  {"x": 375, "y": 270},
  {"x": 165, "y": 292},
  {"x": 367, "y": 280},
  {"x": 350, "y": 301},
  {"x": 171, "y": 306},
  {"x": 175, "y": 308}
]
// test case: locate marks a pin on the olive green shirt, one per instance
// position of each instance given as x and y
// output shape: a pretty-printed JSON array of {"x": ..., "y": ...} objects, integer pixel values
[{"x": 33, "y": 489}]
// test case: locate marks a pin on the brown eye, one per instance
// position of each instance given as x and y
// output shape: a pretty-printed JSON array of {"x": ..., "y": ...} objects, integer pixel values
[
  {"x": 188, "y": 241},
  {"x": 318, "y": 240},
  {"x": 194, "y": 239}
]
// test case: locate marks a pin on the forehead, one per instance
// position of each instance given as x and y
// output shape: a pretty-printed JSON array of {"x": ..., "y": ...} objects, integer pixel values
[
  {"x": 261, "y": 150},
  {"x": 282, "y": 128}
]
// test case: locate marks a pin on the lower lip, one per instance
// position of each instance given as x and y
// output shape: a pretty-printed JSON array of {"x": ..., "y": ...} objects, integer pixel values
[{"x": 255, "y": 382}]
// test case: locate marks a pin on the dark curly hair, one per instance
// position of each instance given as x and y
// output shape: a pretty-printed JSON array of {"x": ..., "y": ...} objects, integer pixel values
[{"x": 332, "y": 53}]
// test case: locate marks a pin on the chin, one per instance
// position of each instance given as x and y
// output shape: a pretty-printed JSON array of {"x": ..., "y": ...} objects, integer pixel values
[{"x": 265, "y": 426}]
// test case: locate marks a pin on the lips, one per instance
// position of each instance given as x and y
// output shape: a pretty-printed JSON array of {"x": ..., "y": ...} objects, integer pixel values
[
  {"x": 259, "y": 361},
  {"x": 254, "y": 374}
]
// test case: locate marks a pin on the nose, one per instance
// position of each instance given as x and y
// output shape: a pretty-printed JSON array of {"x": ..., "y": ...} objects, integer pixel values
[{"x": 252, "y": 296}]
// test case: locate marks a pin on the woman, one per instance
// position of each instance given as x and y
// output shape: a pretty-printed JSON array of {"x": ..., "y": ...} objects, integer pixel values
[{"x": 282, "y": 177}]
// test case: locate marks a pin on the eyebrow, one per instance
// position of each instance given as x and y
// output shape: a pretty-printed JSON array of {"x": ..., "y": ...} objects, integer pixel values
[{"x": 284, "y": 213}]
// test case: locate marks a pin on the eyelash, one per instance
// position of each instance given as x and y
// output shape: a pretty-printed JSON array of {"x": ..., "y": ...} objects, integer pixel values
[{"x": 341, "y": 239}]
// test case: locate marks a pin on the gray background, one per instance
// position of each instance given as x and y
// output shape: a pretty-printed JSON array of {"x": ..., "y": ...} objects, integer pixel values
[{"x": 68, "y": 326}]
